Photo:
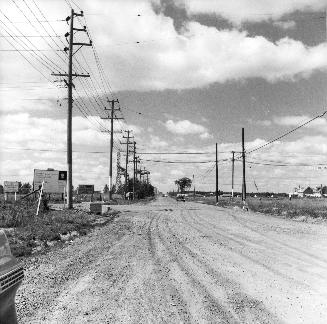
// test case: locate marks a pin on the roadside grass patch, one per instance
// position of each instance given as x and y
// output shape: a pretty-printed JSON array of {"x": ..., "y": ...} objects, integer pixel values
[
  {"x": 309, "y": 207},
  {"x": 28, "y": 233}
]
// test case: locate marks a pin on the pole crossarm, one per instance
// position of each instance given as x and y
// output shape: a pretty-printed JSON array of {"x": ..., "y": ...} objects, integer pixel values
[
  {"x": 73, "y": 75},
  {"x": 116, "y": 118},
  {"x": 108, "y": 131},
  {"x": 83, "y": 44}
]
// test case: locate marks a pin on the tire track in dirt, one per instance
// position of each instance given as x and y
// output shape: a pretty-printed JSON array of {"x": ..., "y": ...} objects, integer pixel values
[
  {"x": 277, "y": 244},
  {"x": 214, "y": 311},
  {"x": 313, "y": 258},
  {"x": 246, "y": 308},
  {"x": 176, "y": 299},
  {"x": 234, "y": 238}
]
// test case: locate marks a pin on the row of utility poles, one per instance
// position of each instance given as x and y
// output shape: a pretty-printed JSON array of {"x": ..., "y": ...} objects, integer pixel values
[
  {"x": 233, "y": 165},
  {"x": 111, "y": 115},
  {"x": 136, "y": 164}
]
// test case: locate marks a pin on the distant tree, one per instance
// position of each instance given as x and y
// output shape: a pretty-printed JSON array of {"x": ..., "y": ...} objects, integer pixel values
[
  {"x": 113, "y": 188},
  {"x": 183, "y": 183},
  {"x": 25, "y": 188},
  {"x": 1, "y": 189},
  {"x": 142, "y": 189},
  {"x": 106, "y": 189}
]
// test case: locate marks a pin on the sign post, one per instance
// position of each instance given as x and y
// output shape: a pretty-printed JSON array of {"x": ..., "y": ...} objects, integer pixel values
[{"x": 40, "y": 197}]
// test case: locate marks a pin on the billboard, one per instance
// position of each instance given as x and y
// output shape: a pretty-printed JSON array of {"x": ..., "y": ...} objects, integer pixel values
[
  {"x": 10, "y": 186},
  {"x": 54, "y": 180},
  {"x": 85, "y": 189}
]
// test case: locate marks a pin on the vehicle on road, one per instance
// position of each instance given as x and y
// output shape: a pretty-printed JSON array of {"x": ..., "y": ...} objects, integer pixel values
[
  {"x": 180, "y": 197},
  {"x": 11, "y": 276}
]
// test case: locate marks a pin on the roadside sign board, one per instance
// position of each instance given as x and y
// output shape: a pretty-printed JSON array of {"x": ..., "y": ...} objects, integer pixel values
[
  {"x": 11, "y": 186},
  {"x": 85, "y": 189},
  {"x": 54, "y": 180}
]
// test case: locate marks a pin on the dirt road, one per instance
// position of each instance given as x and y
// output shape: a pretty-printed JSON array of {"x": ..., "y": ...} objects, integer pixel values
[{"x": 170, "y": 262}]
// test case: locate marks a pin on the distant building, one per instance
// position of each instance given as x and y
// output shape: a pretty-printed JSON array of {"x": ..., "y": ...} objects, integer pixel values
[
  {"x": 298, "y": 192},
  {"x": 308, "y": 191}
]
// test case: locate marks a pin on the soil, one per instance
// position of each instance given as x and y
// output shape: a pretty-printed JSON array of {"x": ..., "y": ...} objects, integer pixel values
[{"x": 182, "y": 262}]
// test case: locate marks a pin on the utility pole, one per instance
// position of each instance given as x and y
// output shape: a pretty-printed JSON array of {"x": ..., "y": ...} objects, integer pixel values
[
  {"x": 70, "y": 86},
  {"x": 243, "y": 178},
  {"x": 134, "y": 162},
  {"x": 233, "y": 165},
  {"x": 137, "y": 160},
  {"x": 140, "y": 170},
  {"x": 128, "y": 137},
  {"x": 217, "y": 173},
  {"x": 111, "y": 117},
  {"x": 193, "y": 188}
]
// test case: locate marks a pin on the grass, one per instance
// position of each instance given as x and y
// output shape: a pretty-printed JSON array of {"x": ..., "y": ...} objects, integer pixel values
[
  {"x": 308, "y": 207},
  {"x": 26, "y": 231}
]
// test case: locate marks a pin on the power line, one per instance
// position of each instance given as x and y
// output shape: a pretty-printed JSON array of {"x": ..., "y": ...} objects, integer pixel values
[{"x": 287, "y": 133}]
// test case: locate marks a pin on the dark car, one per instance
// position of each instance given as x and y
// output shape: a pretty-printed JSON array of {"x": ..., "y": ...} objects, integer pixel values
[
  {"x": 11, "y": 276},
  {"x": 180, "y": 197}
]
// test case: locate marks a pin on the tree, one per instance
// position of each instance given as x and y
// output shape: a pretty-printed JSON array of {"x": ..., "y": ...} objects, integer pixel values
[
  {"x": 105, "y": 189},
  {"x": 24, "y": 188},
  {"x": 183, "y": 183},
  {"x": 142, "y": 189}
]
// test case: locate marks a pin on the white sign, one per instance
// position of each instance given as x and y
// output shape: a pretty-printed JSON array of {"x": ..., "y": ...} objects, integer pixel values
[
  {"x": 54, "y": 180},
  {"x": 10, "y": 186}
]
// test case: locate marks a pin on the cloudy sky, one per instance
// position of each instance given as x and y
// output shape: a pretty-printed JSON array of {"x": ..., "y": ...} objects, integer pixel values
[{"x": 187, "y": 74}]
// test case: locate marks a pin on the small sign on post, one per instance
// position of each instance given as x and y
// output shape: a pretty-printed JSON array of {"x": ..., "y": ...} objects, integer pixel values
[
  {"x": 11, "y": 187},
  {"x": 86, "y": 189}
]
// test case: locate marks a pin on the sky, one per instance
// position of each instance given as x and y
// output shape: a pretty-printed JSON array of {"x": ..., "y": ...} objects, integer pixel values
[{"x": 187, "y": 73}]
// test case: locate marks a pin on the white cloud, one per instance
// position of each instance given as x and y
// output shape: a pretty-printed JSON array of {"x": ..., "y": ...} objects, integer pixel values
[
  {"x": 238, "y": 11},
  {"x": 319, "y": 124},
  {"x": 206, "y": 135},
  {"x": 157, "y": 142},
  {"x": 146, "y": 52},
  {"x": 185, "y": 127},
  {"x": 289, "y": 24}
]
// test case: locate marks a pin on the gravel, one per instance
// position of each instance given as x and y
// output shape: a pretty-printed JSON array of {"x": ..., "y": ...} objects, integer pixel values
[{"x": 169, "y": 262}]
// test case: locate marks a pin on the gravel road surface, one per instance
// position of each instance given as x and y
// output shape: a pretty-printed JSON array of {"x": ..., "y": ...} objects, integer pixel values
[{"x": 176, "y": 262}]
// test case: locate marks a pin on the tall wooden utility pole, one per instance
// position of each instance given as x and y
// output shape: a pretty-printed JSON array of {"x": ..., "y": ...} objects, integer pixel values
[
  {"x": 217, "y": 173},
  {"x": 243, "y": 178},
  {"x": 193, "y": 188},
  {"x": 233, "y": 165},
  {"x": 111, "y": 117},
  {"x": 128, "y": 137},
  {"x": 140, "y": 170},
  {"x": 134, "y": 171},
  {"x": 70, "y": 86}
]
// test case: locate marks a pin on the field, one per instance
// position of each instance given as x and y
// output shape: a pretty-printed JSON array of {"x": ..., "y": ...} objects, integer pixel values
[{"x": 304, "y": 208}]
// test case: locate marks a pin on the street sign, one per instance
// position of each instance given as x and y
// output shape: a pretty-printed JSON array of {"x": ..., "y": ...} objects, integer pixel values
[
  {"x": 54, "y": 180},
  {"x": 11, "y": 186},
  {"x": 85, "y": 189}
]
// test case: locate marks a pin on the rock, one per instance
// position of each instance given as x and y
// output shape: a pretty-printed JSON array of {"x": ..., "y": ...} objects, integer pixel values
[
  {"x": 74, "y": 233},
  {"x": 64, "y": 238}
]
